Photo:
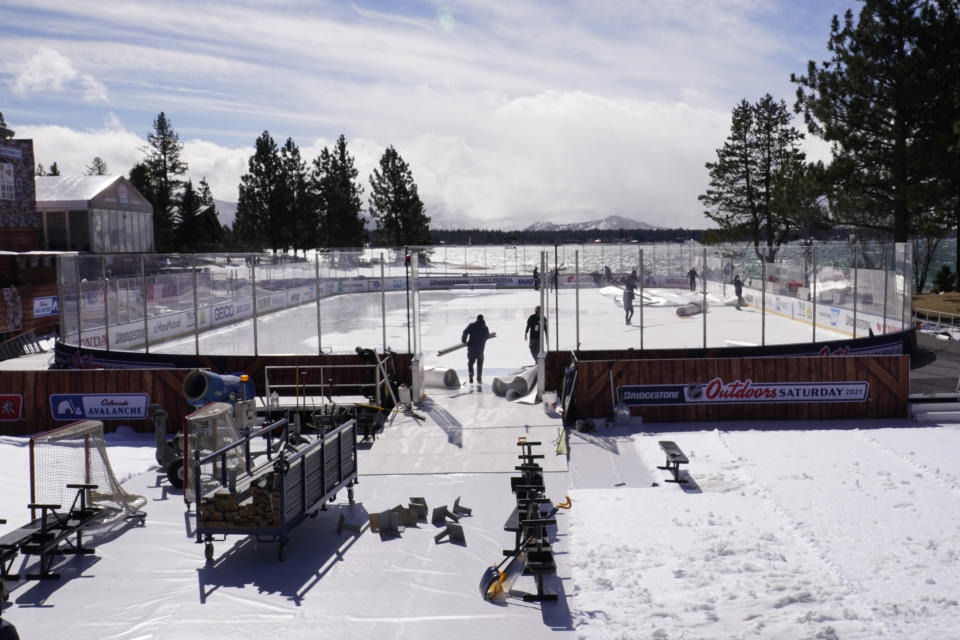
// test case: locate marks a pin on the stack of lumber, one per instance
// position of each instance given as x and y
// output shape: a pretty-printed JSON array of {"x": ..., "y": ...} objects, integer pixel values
[{"x": 254, "y": 505}]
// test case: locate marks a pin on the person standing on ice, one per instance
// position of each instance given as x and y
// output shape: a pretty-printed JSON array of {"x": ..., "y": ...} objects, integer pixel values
[
  {"x": 692, "y": 274},
  {"x": 738, "y": 290},
  {"x": 475, "y": 336},
  {"x": 533, "y": 329},
  {"x": 629, "y": 284},
  {"x": 536, "y": 279}
]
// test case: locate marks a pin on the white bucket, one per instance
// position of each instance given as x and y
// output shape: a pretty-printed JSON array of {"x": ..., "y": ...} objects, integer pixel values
[{"x": 549, "y": 400}]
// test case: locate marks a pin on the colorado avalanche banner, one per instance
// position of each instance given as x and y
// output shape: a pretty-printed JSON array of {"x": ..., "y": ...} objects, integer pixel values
[{"x": 741, "y": 391}]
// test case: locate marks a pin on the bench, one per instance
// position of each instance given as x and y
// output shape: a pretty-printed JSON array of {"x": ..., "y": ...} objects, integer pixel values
[
  {"x": 675, "y": 458},
  {"x": 43, "y": 536},
  {"x": 529, "y": 523}
]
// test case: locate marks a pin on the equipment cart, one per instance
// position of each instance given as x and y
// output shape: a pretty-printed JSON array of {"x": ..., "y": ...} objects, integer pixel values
[{"x": 289, "y": 483}]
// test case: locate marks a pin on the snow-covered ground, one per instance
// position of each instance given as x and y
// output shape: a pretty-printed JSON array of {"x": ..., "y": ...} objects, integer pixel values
[{"x": 784, "y": 530}]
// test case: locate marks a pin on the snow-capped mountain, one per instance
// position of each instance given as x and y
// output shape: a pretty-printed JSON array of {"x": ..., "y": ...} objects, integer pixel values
[{"x": 603, "y": 224}]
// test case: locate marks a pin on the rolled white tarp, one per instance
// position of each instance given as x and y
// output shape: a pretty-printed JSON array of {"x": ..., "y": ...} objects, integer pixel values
[
  {"x": 690, "y": 309},
  {"x": 521, "y": 381},
  {"x": 440, "y": 377}
]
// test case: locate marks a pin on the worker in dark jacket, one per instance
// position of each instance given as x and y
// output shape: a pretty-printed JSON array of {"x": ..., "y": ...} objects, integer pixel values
[
  {"x": 475, "y": 336},
  {"x": 533, "y": 330}
]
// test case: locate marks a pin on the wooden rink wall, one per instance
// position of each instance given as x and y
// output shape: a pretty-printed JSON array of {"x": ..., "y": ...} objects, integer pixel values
[
  {"x": 888, "y": 378},
  {"x": 164, "y": 386}
]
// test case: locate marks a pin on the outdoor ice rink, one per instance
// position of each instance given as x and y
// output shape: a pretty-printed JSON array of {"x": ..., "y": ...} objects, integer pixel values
[
  {"x": 349, "y": 321},
  {"x": 786, "y": 530}
]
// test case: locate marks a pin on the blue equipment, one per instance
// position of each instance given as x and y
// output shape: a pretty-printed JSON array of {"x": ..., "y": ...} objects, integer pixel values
[{"x": 202, "y": 387}]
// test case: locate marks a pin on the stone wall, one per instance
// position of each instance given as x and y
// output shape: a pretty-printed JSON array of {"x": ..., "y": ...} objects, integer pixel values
[{"x": 19, "y": 222}]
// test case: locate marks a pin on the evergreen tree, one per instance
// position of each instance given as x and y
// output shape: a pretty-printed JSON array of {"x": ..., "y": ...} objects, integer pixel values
[
  {"x": 943, "y": 280},
  {"x": 262, "y": 203},
  {"x": 395, "y": 204},
  {"x": 97, "y": 167},
  {"x": 40, "y": 171},
  {"x": 873, "y": 98},
  {"x": 939, "y": 40},
  {"x": 4, "y": 131},
  {"x": 139, "y": 177},
  {"x": 189, "y": 232},
  {"x": 301, "y": 222},
  {"x": 165, "y": 168},
  {"x": 206, "y": 196},
  {"x": 754, "y": 184},
  {"x": 54, "y": 170},
  {"x": 338, "y": 197}
]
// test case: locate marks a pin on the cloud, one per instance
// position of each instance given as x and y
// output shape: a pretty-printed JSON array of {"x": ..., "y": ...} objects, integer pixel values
[
  {"x": 93, "y": 90},
  {"x": 49, "y": 70},
  {"x": 73, "y": 150},
  {"x": 505, "y": 111}
]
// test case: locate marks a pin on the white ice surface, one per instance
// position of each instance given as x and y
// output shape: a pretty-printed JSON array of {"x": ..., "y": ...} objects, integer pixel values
[
  {"x": 785, "y": 530},
  {"x": 349, "y": 321}
]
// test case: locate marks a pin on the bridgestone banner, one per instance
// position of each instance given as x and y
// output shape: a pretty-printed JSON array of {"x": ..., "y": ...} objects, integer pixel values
[{"x": 741, "y": 392}]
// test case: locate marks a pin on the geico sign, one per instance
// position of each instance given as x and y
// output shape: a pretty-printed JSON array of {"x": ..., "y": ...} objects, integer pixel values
[{"x": 222, "y": 313}]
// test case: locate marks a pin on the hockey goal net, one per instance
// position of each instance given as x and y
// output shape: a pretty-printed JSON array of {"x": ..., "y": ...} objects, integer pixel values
[
  {"x": 77, "y": 454},
  {"x": 209, "y": 429}
]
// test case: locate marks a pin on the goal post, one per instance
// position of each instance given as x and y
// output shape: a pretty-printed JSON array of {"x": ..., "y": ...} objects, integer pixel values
[
  {"x": 209, "y": 429},
  {"x": 77, "y": 454}
]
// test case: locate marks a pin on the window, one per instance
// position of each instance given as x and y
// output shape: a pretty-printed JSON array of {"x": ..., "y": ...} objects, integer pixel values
[
  {"x": 96, "y": 232},
  {"x": 57, "y": 235},
  {"x": 79, "y": 231},
  {"x": 6, "y": 181}
]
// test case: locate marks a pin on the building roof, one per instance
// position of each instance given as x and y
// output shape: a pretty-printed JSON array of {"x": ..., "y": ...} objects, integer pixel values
[
  {"x": 60, "y": 193},
  {"x": 71, "y": 188}
]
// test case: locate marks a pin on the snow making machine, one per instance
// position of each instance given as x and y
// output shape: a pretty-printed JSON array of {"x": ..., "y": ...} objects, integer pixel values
[{"x": 200, "y": 388}]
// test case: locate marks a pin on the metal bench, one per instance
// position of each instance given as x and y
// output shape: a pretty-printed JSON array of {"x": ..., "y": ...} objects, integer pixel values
[
  {"x": 675, "y": 458},
  {"x": 49, "y": 535}
]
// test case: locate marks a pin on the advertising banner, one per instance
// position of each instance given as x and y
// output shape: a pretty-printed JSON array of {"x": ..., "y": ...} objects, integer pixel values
[
  {"x": 45, "y": 306},
  {"x": 741, "y": 392},
  {"x": 11, "y": 407},
  {"x": 103, "y": 406}
]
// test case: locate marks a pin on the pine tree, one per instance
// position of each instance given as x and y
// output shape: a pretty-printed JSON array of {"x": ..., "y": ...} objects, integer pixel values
[
  {"x": 206, "y": 196},
  {"x": 4, "y": 131},
  {"x": 334, "y": 183},
  {"x": 752, "y": 181},
  {"x": 139, "y": 177},
  {"x": 97, "y": 167},
  {"x": 301, "y": 222},
  {"x": 54, "y": 170},
  {"x": 873, "y": 98},
  {"x": 40, "y": 171},
  {"x": 165, "y": 167},
  {"x": 943, "y": 280},
  {"x": 189, "y": 234},
  {"x": 395, "y": 204},
  {"x": 261, "y": 202}
]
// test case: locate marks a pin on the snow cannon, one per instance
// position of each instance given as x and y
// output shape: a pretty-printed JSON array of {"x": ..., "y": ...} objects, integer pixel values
[{"x": 202, "y": 387}]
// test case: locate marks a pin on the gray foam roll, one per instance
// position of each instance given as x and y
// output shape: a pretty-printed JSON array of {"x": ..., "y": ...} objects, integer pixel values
[{"x": 440, "y": 377}]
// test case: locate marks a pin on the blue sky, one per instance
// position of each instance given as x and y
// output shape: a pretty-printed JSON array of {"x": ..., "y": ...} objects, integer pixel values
[{"x": 507, "y": 112}]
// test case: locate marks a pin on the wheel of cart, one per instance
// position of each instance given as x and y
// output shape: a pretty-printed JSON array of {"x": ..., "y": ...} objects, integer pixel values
[
  {"x": 208, "y": 549},
  {"x": 175, "y": 473}
]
